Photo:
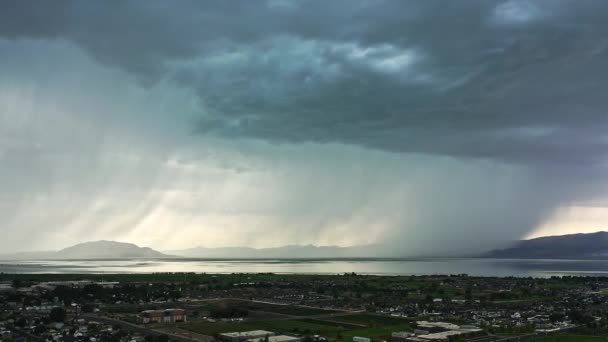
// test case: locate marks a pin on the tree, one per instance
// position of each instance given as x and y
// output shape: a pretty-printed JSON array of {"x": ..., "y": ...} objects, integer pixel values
[
  {"x": 94, "y": 291},
  {"x": 21, "y": 322},
  {"x": 39, "y": 329},
  {"x": 88, "y": 307},
  {"x": 580, "y": 317},
  {"x": 161, "y": 338},
  {"x": 17, "y": 283},
  {"x": 468, "y": 294},
  {"x": 64, "y": 293},
  {"x": 114, "y": 338},
  {"x": 457, "y": 338},
  {"x": 58, "y": 314},
  {"x": 556, "y": 316}
]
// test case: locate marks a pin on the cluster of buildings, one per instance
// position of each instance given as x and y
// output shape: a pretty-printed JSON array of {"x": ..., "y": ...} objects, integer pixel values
[
  {"x": 440, "y": 331},
  {"x": 162, "y": 316},
  {"x": 478, "y": 308},
  {"x": 33, "y": 326},
  {"x": 257, "y": 336}
]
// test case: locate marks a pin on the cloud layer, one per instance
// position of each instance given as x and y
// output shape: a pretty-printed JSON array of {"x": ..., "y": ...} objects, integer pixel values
[{"x": 346, "y": 122}]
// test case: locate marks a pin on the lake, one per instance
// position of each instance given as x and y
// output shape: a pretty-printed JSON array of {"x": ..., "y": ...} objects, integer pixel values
[{"x": 474, "y": 267}]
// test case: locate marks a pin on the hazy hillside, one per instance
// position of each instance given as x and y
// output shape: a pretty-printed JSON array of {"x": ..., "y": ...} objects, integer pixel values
[
  {"x": 108, "y": 249},
  {"x": 573, "y": 246},
  {"x": 93, "y": 250}
]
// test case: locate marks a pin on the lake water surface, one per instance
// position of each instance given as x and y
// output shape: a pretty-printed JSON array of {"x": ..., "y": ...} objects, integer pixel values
[{"x": 474, "y": 267}]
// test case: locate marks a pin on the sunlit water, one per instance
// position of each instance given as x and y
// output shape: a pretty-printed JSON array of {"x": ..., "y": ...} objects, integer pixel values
[{"x": 474, "y": 267}]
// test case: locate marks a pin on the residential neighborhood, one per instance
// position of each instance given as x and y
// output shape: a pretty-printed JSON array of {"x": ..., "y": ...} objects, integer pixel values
[{"x": 291, "y": 308}]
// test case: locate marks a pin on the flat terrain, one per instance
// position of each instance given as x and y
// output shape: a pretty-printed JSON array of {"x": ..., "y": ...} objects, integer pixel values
[
  {"x": 291, "y": 310},
  {"x": 337, "y": 307},
  {"x": 334, "y": 325},
  {"x": 274, "y": 325},
  {"x": 369, "y": 319},
  {"x": 329, "y": 330},
  {"x": 572, "y": 338}
]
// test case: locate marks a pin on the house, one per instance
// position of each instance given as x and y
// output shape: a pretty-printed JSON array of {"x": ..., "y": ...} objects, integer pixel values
[
  {"x": 7, "y": 288},
  {"x": 401, "y": 336},
  {"x": 361, "y": 339},
  {"x": 276, "y": 338},
  {"x": 445, "y": 335},
  {"x": 246, "y": 335},
  {"x": 437, "y": 325},
  {"x": 162, "y": 316}
]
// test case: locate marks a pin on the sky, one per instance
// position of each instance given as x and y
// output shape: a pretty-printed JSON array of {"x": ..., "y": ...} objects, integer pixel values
[{"x": 428, "y": 126}]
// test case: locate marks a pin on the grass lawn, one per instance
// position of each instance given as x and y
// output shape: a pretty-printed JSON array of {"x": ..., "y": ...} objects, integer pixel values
[
  {"x": 272, "y": 325},
  {"x": 295, "y": 310},
  {"x": 292, "y": 310},
  {"x": 331, "y": 323},
  {"x": 571, "y": 338},
  {"x": 384, "y": 332},
  {"x": 218, "y": 328},
  {"x": 370, "y": 320},
  {"x": 303, "y": 326}
]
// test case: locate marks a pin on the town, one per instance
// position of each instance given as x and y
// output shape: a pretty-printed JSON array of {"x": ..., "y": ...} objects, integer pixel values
[{"x": 294, "y": 308}]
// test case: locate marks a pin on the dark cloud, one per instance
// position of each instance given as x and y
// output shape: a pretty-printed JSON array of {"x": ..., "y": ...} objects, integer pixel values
[
  {"x": 510, "y": 80},
  {"x": 495, "y": 109},
  {"x": 524, "y": 95}
]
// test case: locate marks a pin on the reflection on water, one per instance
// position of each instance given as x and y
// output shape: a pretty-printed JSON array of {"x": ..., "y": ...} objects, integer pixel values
[{"x": 474, "y": 267}]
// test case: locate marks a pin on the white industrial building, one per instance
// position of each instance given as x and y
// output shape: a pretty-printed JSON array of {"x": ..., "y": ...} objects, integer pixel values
[
  {"x": 246, "y": 335},
  {"x": 277, "y": 338}
]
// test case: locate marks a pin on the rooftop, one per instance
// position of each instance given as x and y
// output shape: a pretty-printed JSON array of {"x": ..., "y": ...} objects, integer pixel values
[
  {"x": 248, "y": 333},
  {"x": 282, "y": 338}
]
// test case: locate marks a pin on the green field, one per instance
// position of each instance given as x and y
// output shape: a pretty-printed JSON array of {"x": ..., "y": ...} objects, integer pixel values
[
  {"x": 370, "y": 320},
  {"x": 273, "y": 325},
  {"x": 384, "y": 332},
  {"x": 290, "y": 310},
  {"x": 378, "y": 326},
  {"x": 331, "y": 323},
  {"x": 351, "y": 286},
  {"x": 571, "y": 338}
]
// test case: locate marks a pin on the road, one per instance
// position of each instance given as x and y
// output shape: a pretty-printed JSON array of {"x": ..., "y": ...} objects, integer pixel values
[
  {"x": 190, "y": 336},
  {"x": 138, "y": 328}
]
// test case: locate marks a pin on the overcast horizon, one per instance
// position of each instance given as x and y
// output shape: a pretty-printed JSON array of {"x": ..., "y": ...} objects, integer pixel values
[
  {"x": 364, "y": 253},
  {"x": 422, "y": 125}
]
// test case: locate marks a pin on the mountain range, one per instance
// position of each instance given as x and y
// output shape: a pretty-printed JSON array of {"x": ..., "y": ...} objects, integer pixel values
[
  {"x": 572, "y": 246},
  {"x": 92, "y": 250},
  {"x": 121, "y": 250}
]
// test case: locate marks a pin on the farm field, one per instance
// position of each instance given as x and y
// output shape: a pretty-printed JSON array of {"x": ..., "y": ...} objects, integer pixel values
[
  {"x": 333, "y": 328},
  {"x": 370, "y": 320},
  {"x": 283, "y": 309},
  {"x": 572, "y": 338},
  {"x": 291, "y": 310},
  {"x": 289, "y": 326}
]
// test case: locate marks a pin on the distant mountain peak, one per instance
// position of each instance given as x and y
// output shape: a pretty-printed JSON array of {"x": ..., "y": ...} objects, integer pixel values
[
  {"x": 101, "y": 249},
  {"x": 570, "y": 246},
  {"x": 105, "y": 249},
  {"x": 100, "y": 243}
]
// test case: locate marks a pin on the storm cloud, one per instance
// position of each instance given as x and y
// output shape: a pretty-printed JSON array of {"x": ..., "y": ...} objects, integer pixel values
[{"x": 422, "y": 123}]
